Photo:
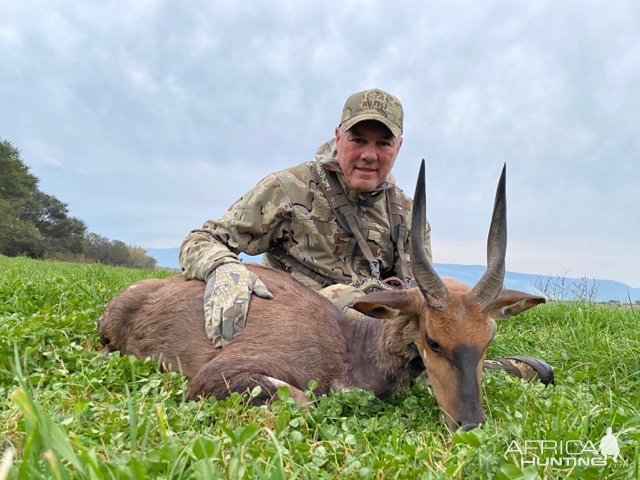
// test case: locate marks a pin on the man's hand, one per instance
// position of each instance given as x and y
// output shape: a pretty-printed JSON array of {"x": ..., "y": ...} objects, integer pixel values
[{"x": 226, "y": 300}]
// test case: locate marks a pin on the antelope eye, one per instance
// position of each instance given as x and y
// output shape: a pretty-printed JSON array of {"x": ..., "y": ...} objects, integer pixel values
[{"x": 433, "y": 345}]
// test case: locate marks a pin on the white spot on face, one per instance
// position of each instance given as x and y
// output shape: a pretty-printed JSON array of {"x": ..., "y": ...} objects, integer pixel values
[{"x": 494, "y": 328}]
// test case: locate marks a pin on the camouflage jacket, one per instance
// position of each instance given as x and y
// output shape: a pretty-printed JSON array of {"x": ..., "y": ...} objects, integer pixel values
[{"x": 288, "y": 209}]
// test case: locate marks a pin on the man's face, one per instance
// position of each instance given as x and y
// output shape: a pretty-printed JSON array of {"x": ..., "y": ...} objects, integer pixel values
[{"x": 366, "y": 154}]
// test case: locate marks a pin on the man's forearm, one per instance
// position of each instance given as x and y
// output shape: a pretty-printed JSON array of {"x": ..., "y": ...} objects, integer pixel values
[{"x": 201, "y": 253}]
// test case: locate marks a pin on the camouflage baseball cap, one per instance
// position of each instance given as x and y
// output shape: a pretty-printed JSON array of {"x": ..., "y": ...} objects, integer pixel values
[{"x": 373, "y": 104}]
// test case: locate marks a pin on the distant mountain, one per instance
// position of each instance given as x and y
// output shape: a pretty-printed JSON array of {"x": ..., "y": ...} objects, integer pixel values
[
  {"x": 469, "y": 274},
  {"x": 528, "y": 282}
]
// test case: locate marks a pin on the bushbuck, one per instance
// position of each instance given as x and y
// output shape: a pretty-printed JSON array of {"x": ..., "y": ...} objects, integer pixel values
[{"x": 441, "y": 325}]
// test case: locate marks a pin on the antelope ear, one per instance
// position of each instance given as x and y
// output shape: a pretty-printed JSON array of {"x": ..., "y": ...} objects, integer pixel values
[
  {"x": 513, "y": 302},
  {"x": 389, "y": 304},
  {"x": 376, "y": 310}
]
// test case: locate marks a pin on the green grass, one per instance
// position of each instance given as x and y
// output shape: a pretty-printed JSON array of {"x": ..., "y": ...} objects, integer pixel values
[{"x": 69, "y": 411}]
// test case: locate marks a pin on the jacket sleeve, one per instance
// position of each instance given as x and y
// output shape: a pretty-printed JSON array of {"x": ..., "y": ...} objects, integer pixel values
[{"x": 251, "y": 225}]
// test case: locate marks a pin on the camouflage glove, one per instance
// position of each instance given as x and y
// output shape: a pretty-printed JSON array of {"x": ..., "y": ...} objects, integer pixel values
[{"x": 226, "y": 300}]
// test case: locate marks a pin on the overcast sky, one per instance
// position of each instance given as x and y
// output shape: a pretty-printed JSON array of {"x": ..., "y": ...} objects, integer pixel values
[{"x": 149, "y": 117}]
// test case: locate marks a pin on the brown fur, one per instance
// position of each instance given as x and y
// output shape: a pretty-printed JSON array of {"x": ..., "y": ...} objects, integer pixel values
[{"x": 299, "y": 336}]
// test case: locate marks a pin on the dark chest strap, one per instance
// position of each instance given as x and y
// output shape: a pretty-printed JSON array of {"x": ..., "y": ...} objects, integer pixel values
[
  {"x": 348, "y": 220},
  {"x": 345, "y": 214},
  {"x": 280, "y": 258},
  {"x": 399, "y": 233}
]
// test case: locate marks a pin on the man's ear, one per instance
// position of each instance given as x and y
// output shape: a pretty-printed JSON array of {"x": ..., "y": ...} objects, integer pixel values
[{"x": 513, "y": 302}]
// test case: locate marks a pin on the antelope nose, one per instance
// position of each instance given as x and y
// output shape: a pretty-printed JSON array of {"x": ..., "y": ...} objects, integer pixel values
[{"x": 469, "y": 426}]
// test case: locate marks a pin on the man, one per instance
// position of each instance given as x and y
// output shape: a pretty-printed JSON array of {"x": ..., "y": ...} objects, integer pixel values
[{"x": 338, "y": 224}]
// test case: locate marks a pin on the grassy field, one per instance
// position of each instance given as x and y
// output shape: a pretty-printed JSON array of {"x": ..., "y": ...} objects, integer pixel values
[{"x": 70, "y": 411}]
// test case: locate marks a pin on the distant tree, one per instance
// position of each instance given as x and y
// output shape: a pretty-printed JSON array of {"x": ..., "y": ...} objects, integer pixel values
[
  {"x": 138, "y": 258},
  {"x": 560, "y": 287},
  {"x": 116, "y": 252},
  {"x": 60, "y": 232},
  {"x": 96, "y": 247},
  {"x": 32, "y": 222},
  {"x": 119, "y": 253},
  {"x": 38, "y": 225},
  {"x": 16, "y": 182},
  {"x": 17, "y": 236}
]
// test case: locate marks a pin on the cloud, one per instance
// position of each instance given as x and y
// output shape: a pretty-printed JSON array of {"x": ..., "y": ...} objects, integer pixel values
[{"x": 151, "y": 117}]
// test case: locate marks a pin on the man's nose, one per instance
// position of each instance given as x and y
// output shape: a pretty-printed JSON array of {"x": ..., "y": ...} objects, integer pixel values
[{"x": 369, "y": 153}]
